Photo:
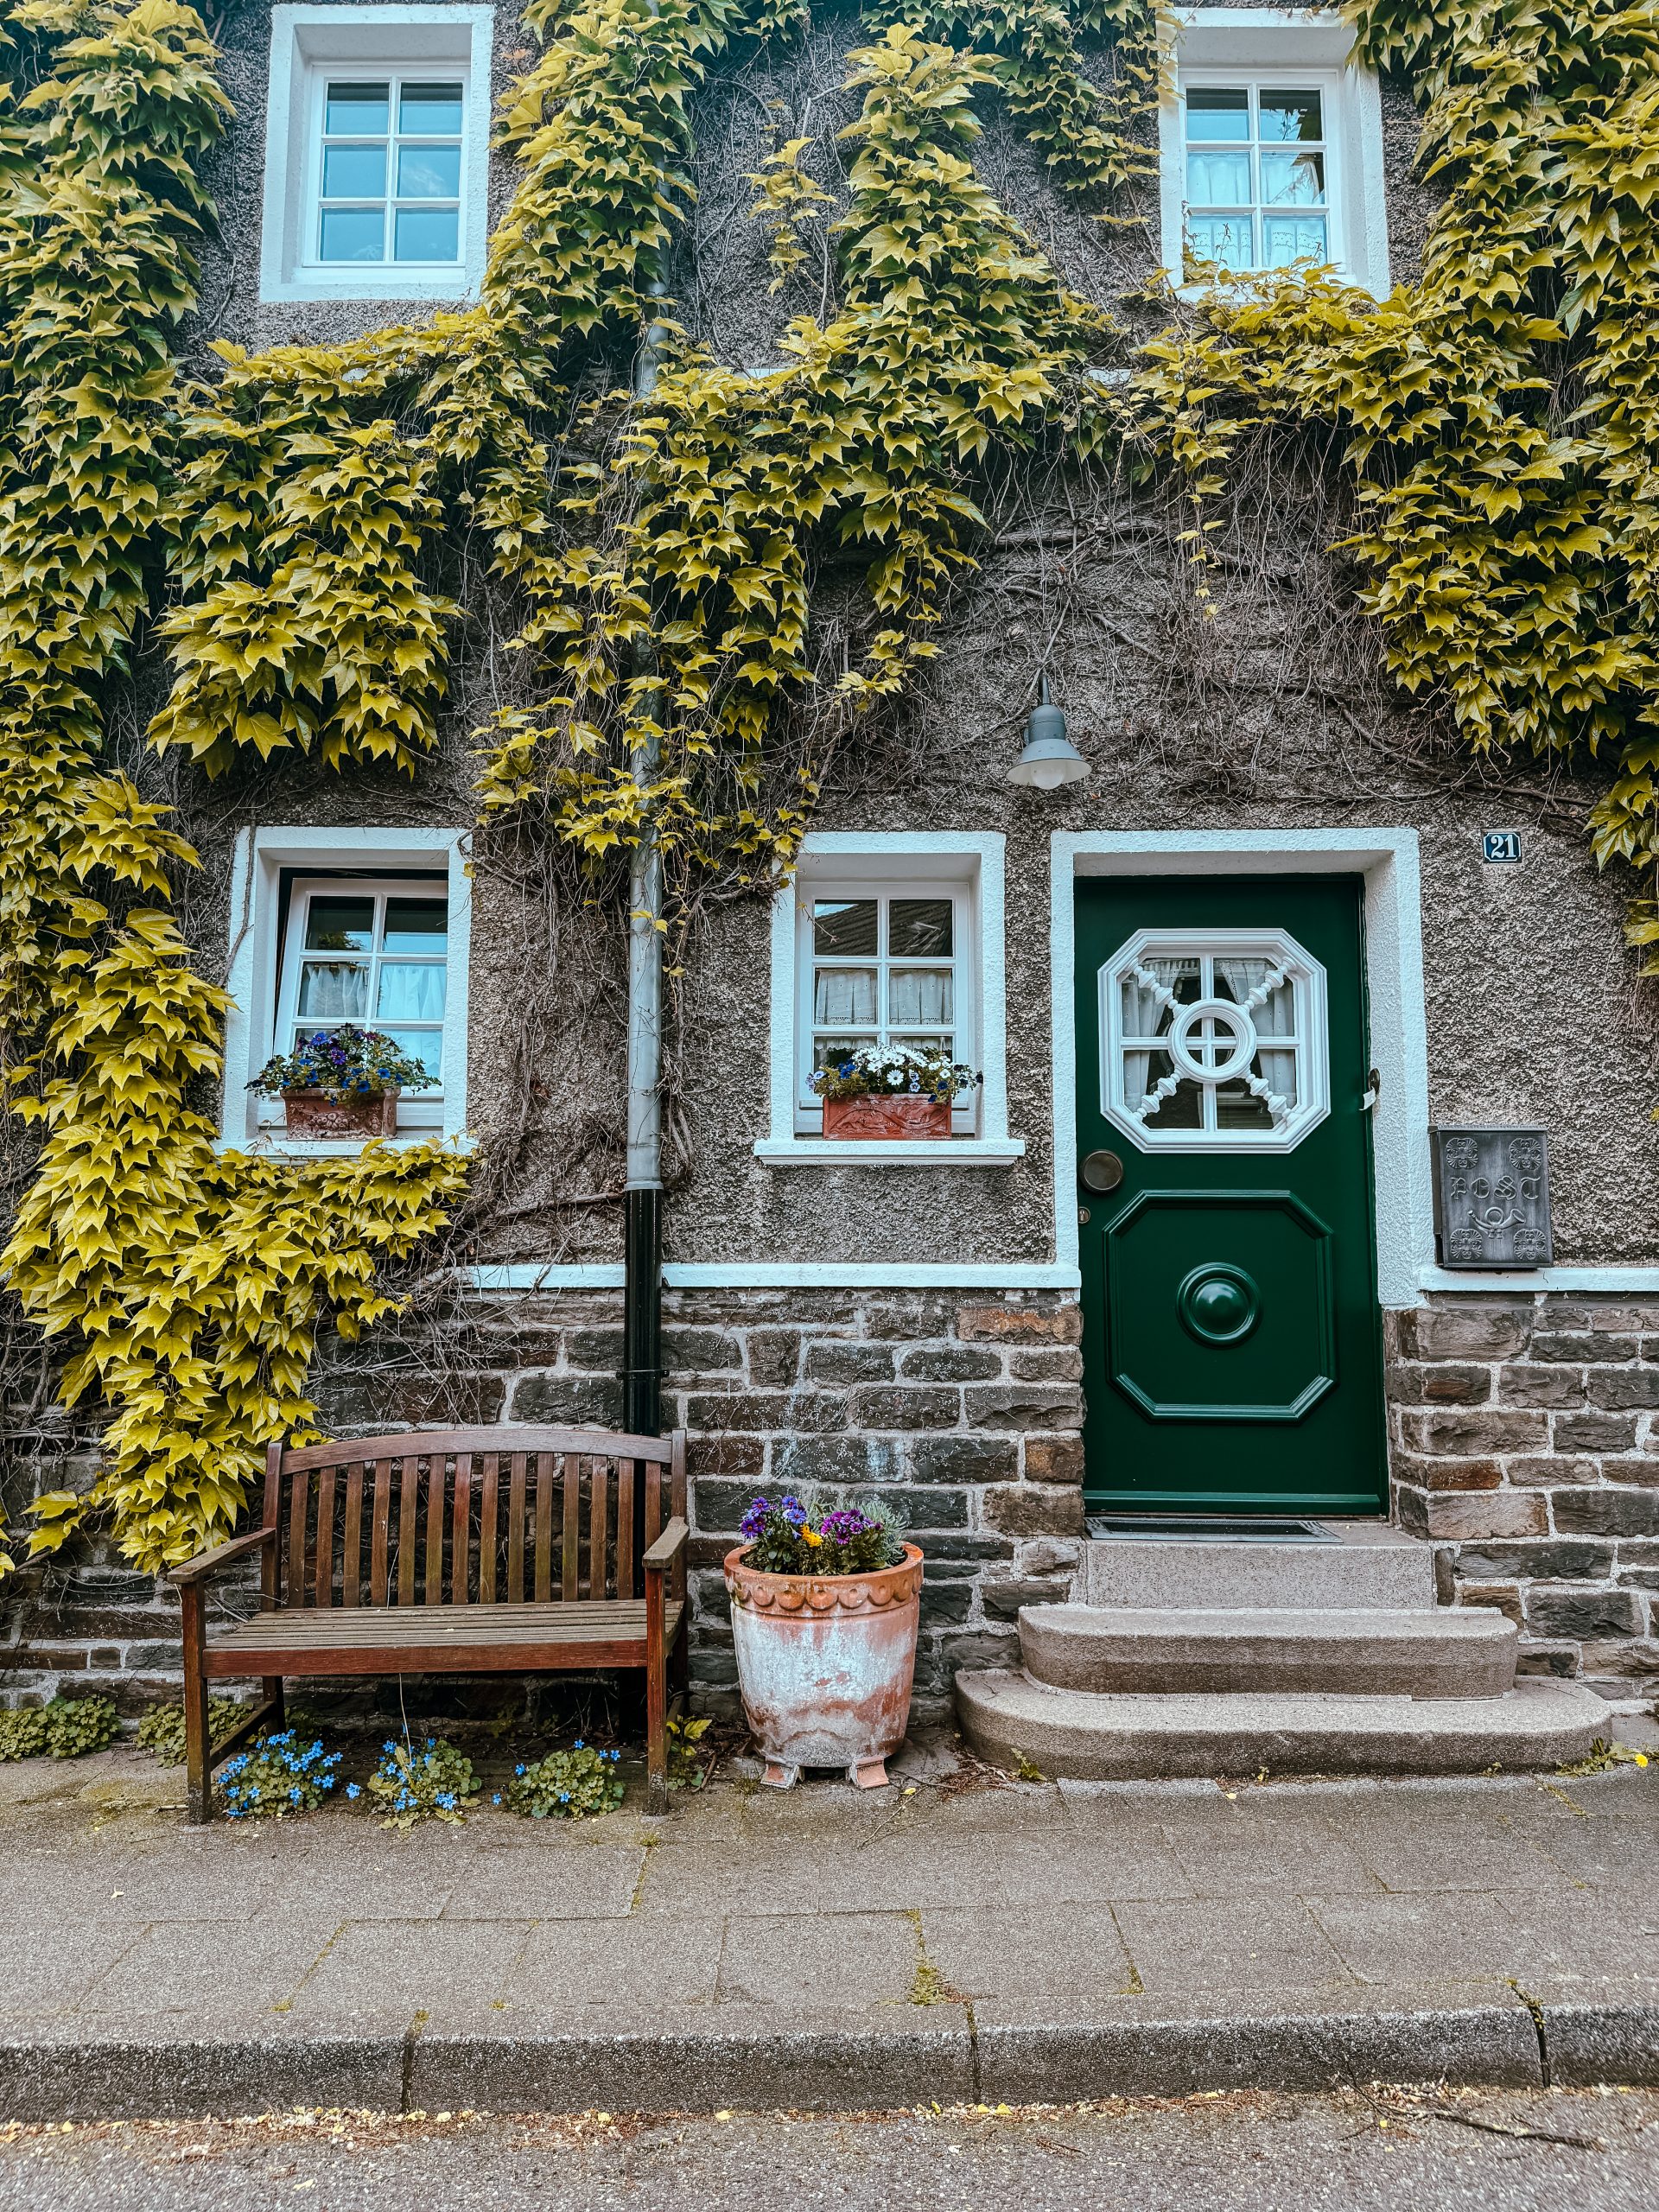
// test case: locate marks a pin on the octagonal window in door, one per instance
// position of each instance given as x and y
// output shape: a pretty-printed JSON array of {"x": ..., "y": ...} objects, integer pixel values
[{"x": 1214, "y": 1040}]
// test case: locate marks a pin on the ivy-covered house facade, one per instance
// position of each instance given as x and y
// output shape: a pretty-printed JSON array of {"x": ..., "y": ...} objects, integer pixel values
[{"x": 450, "y": 453}]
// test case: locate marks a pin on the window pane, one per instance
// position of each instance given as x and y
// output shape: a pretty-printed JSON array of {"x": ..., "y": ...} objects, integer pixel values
[
  {"x": 428, "y": 172},
  {"x": 844, "y": 994},
  {"x": 843, "y": 925},
  {"x": 1219, "y": 179},
  {"x": 1238, "y": 1108},
  {"x": 355, "y": 107},
  {"x": 1218, "y": 111},
  {"x": 1293, "y": 238},
  {"x": 353, "y": 234},
  {"x": 425, "y": 1045},
  {"x": 429, "y": 108},
  {"x": 428, "y": 234},
  {"x": 1225, "y": 239},
  {"x": 919, "y": 929},
  {"x": 1291, "y": 180},
  {"x": 831, "y": 1051},
  {"x": 1290, "y": 115},
  {"x": 410, "y": 990},
  {"x": 353, "y": 172},
  {"x": 339, "y": 925},
  {"x": 333, "y": 990},
  {"x": 415, "y": 925},
  {"x": 1183, "y": 1108},
  {"x": 919, "y": 995}
]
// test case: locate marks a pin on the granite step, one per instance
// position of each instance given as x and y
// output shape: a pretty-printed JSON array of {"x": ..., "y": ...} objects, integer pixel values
[
  {"x": 1423, "y": 1651},
  {"x": 1365, "y": 1564},
  {"x": 1090, "y": 1735}
]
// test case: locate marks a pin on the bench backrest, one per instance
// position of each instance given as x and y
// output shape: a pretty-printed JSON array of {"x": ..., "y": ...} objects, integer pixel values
[{"x": 468, "y": 1516}]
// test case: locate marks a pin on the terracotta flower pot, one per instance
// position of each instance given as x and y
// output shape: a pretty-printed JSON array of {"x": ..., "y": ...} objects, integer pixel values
[
  {"x": 899, "y": 1114},
  {"x": 371, "y": 1114},
  {"x": 825, "y": 1664}
]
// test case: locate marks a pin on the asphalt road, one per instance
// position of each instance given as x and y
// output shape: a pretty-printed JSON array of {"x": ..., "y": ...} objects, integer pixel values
[{"x": 1456, "y": 2151}]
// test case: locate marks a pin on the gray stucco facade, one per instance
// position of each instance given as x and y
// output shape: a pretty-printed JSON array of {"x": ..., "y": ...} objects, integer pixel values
[{"x": 917, "y": 1325}]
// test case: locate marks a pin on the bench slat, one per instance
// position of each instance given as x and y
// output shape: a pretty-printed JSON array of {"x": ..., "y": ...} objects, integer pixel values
[
  {"x": 597, "y": 1532},
  {"x": 435, "y": 1518},
  {"x": 380, "y": 1526},
  {"x": 543, "y": 1527},
  {"x": 516, "y": 1530},
  {"x": 323, "y": 1552},
  {"x": 408, "y": 1499},
  {"x": 570, "y": 1467},
  {"x": 486, "y": 1518},
  {"x": 298, "y": 1499},
  {"x": 625, "y": 1490},
  {"x": 352, "y": 1555},
  {"x": 460, "y": 1541}
]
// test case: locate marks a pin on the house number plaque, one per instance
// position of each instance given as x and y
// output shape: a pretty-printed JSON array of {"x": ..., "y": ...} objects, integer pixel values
[{"x": 1492, "y": 1197}]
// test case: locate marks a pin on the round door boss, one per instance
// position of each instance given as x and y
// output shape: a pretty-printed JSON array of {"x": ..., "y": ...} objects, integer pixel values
[
  {"x": 1101, "y": 1170},
  {"x": 1218, "y": 1304}
]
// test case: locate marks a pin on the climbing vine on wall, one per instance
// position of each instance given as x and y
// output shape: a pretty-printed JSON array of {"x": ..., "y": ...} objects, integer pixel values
[{"x": 1498, "y": 420}]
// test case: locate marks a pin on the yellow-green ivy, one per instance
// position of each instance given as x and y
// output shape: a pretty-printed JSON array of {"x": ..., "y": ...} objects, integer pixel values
[{"x": 1501, "y": 419}]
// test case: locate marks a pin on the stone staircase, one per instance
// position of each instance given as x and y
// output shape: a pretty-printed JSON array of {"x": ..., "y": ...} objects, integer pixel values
[{"x": 1181, "y": 1655}]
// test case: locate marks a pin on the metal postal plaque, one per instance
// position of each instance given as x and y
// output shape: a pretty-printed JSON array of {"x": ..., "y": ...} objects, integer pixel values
[{"x": 1492, "y": 1197}]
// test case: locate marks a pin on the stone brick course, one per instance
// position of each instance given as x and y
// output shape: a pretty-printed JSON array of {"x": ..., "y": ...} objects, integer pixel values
[{"x": 1524, "y": 1434}]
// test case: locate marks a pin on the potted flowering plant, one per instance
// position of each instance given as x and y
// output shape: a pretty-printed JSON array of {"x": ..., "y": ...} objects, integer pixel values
[
  {"x": 825, "y": 1606},
  {"x": 341, "y": 1083},
  {"x": 891, "y": 1090}
]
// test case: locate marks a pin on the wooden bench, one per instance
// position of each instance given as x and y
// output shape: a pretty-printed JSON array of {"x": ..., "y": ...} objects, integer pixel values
[{"x": 489, "y": 1551}]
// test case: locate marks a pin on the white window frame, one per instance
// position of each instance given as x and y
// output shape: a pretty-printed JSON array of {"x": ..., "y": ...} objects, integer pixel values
[
  {"x": 370, "y": 859},
  {"x": 1284, "y": 47},
  {"x": 1309, "y": 1039},
  {"x": 967, "y": 865},
  {"x": 421, "y": 40},
  {"x": 1327, "y": 83},
  {"x": 415, "y": 1108}
]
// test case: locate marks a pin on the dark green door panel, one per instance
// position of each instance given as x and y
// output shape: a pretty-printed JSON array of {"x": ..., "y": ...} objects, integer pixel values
[{"x": 1232, "y": 1346}]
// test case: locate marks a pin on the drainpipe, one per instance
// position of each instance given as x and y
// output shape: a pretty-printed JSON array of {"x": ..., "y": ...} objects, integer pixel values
[{"x": 642, "y": 1302}]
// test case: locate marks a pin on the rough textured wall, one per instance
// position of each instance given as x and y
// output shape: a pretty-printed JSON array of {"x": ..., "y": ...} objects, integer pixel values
[{"x": 1525, "y": 1435}]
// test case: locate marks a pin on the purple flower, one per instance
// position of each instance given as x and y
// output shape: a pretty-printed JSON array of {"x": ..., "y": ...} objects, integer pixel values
[{"x": 794, "y": 1512}]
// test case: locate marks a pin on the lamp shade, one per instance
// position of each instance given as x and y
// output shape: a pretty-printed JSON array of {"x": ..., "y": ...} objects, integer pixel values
[{"x": 1049, "y": 759}]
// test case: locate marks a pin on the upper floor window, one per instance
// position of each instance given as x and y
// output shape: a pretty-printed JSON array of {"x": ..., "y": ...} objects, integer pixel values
[
  {"x": 1258, "y": 174},
  {"x": 388, "y": 154},
  {"x": 1271, "y": 146},
  {"x": 375, "y": 154}
]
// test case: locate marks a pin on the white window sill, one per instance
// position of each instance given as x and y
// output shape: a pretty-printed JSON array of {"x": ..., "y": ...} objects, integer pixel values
[
  {"x": 274, "y": 1145},
  {"x": 889, "y": 1152}
]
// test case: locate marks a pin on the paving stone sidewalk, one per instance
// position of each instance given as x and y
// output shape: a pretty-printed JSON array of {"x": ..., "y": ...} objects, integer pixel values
[{"x": 946, "y": 1938}]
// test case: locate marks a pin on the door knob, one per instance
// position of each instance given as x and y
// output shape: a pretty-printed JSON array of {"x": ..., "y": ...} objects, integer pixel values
[{"x": 1101, "y": 1170}]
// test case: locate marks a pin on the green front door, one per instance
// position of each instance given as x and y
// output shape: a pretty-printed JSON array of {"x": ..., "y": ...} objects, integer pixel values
[{"x": 1230, "y": 1342}]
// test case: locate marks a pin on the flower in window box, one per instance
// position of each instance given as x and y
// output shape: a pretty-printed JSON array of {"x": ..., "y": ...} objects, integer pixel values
[
  {"x": 342, "y": 1082},
  {"x": 891, "y": 1090}
]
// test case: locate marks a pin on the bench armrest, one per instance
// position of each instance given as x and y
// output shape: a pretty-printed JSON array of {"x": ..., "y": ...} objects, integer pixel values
[
  {"x": 667, "y": 1548},
  {"x": 206, "y": 1563}
]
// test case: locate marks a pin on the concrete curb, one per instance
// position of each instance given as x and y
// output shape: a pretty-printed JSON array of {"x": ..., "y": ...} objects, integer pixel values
[{"x": 1484, "y": 2038}]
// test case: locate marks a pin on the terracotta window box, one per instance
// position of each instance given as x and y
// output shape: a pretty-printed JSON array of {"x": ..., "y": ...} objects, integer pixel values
[
  {"x": 310, "y": 1114},
  {"x": 873, "y": 1117}
]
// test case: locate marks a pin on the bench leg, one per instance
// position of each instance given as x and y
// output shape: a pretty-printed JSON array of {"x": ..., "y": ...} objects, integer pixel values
[
  {"x": 272, "y": 1686},
  {"x": 198, "y": 1751},
  {"x": 679, "y": 1669},
  {"x": 656, "y": 1738}
]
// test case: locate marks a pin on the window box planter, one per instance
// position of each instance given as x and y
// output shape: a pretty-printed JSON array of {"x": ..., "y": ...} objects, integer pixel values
[
  {"x": 902, "y": 1116},
  {"x": 825, "y": 1663},
  {"x": 367, "y": 1114}
]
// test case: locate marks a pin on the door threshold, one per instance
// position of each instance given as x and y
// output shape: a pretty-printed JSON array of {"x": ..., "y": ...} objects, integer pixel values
[{"x": 1206, "y": 1529}]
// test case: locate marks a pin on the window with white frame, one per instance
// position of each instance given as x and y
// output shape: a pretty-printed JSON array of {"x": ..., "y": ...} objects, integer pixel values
[
  {"x": 1271, "y": 139},
  {"x": 369, "y": 927},
  {"x": 883, "y": 964},
  {"x": 376, "y": 162},
  {"x": 1259, "y": 173},
  {"x": 373, "y": 955},
  {"x": 387, "y": 167}
]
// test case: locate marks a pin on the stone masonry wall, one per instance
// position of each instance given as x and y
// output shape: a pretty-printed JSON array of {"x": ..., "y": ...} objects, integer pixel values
[
  {"x": 967, "y": 1408},
  {"x": 1525, "y": 1437}
]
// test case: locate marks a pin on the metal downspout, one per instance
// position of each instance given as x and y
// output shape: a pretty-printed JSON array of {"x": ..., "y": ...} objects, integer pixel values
[{"x": 643, "y": 1200}]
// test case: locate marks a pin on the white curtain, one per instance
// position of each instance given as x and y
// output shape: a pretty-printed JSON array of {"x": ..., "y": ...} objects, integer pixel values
[
  {"x": 1147, "y": 1013},
  {"x": 332, "y": 991},
  {"x": 919, "y": 995},
  {"x": 845, "y": 997},
  {"x": 412, "y": 991}
]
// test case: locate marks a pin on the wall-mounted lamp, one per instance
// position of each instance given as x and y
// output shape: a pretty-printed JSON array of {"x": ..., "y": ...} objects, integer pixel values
[{"x": 1050, "y": 759}]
